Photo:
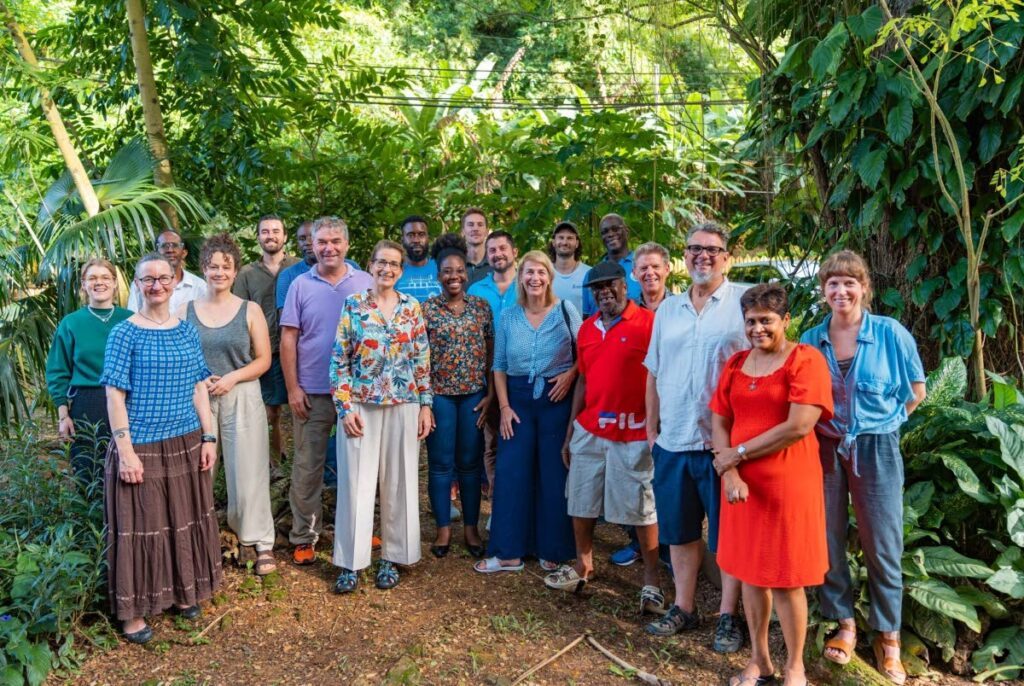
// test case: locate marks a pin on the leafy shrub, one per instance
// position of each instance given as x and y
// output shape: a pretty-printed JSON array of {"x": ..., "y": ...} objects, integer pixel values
[
  {"x": 963, "y": 529},
  {"x": 52, "y": 560}
]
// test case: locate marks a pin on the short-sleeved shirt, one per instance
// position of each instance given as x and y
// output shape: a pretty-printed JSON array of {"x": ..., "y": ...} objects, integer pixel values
[
  {"x": 612, "y": 365},
  {"x": 688, "y": 350},
  {"x": 419, "y": 281},
  {"x": 538, "y": 354},
  {"x": 185, "y": 291},
  {"x": 158, "y": 369},
  {"x": 570, "y": 286},
  {"x": 286, "y": 277},
  {"x": 256, "y": 283},
  {"x": 380, "y": 362},
  {"x": 477, "y": 271},
  {"x": 313, "y": 306},
  {"x": 632, "y": 285},
  {"x": 487, "y": 289},
  {"x": 871, "y": 397},
  {"x": 458, "y": 345}
]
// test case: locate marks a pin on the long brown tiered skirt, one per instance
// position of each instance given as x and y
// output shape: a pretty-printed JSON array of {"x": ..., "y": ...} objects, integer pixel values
[{"x": 163, "y": 543}]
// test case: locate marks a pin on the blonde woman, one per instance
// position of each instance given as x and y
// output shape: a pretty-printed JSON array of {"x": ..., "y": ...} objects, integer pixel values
[
  {"x": 534, "y": 372},
  {"x": 75, "y": 363}
]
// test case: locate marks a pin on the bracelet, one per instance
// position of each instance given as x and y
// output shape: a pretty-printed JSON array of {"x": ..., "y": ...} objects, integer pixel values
[{"x": 208, "y": 438}]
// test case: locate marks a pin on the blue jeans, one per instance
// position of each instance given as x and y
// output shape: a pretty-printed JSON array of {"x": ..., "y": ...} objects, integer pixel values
[
  {"x": 530, "y": 515},
  {"x": 877, "y": 496},
  {"x": 455, "y": 446}
]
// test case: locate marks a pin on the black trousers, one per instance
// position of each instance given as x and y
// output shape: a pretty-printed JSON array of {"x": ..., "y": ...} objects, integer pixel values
[{"x": 88, "y": 409}]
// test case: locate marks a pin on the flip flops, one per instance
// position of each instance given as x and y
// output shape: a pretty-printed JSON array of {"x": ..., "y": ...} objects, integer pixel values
[{"x": 492, "y": 565}]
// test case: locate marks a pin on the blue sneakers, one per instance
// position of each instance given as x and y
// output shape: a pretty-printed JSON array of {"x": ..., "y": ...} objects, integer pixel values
[{"x": 624, "y": 557}]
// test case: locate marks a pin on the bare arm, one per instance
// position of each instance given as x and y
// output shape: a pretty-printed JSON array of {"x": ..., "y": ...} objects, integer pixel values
[
  {"x": 920, "y": 392},
  {"x": 578, "y": 397},
  {"x": 653, "y": 404},
  {"x": 798, "y": 423},
  {"x": 201, "y": 401},
  {"x": 289, "y": 361},
  {"x": 260, "y": 338},
  {"x": 129, "y": 465},
  {"x": 508, "y": 415}
]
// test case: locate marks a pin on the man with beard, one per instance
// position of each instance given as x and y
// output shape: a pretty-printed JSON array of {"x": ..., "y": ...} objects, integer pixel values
[
  {"x": 475, "y": 232},
  {"x": 187, "y": 286},
  {"x": 498, "y": 288},
  {"x": 694, "y": 335},
  {"x": 605, "y": 449},
  {"x": 615, "y": 236},
  {"x": 565, "y": 249},
  {"x": 257, "y": 282},
  {"x": 419, "y": 273},
  {"x": 309, "y": 322}
]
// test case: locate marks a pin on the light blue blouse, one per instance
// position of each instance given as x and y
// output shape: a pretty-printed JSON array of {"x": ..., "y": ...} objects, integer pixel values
[
  {"x": 541, "y": 353},
  {"x": 872, "y": 397}
]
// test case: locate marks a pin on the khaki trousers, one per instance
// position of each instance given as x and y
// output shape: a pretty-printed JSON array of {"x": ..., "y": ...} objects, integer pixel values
[
  {"x": 387, "y": 452},
  {"x": 240, "y": 423},
  {"x": 307, "y": 486}
]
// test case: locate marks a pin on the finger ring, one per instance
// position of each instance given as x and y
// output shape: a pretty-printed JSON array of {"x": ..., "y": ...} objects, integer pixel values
[{"x": 733, "y": 495}]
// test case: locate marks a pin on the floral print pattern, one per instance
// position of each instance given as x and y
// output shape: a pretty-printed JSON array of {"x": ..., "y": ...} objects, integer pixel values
[
  {"x": 458, "y": 344},
  {"x": 380, "y": 362}
]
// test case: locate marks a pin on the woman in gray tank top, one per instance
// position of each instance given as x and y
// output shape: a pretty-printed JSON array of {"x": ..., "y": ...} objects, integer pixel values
[{"x": 236, "y": 344}]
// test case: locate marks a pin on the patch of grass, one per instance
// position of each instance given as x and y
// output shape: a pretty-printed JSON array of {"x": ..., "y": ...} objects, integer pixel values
[{"x": 529, "y": 626}]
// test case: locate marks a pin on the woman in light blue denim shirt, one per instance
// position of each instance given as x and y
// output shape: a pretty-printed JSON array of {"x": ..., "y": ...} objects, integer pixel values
[
  {"x": 877, "y": 381},
  {"x": 534, "y": 372}
]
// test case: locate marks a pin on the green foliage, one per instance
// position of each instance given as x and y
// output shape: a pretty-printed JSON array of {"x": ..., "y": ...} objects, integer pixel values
[{"x": 52, "y": 561}]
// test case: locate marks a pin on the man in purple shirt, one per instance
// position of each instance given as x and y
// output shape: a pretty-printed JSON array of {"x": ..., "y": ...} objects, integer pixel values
[{"x": 309, "y": 322}]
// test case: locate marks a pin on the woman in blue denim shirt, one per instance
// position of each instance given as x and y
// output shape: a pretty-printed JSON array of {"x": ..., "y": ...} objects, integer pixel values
[
  {"x": 877, "y": 381},
  {"x": 534, "y": 372}
]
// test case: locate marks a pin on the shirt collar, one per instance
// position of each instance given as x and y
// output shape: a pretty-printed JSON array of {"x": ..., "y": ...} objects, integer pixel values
[
  {"x": 628, "y": 257},
  {"x": 716, "y": 295},
  {"x": 866, "y": 334},
  {"x": 314, "y": 274}
]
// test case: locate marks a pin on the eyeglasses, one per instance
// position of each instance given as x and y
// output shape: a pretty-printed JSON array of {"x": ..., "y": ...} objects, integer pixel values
[
  {"x": 381, "y": 264},
  {"x": 170, "y": 245},
  {"x": 99, "y": 279},
  {"x": 148, "y": 281},
  {"x": 711, "y": 250}
]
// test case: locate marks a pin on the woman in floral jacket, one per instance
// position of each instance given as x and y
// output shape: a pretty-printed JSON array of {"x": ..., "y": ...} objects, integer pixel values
[{"x": 380, "y": 378}]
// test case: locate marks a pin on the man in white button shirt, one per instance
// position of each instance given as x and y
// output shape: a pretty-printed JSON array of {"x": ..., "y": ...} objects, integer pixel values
[
  {"x": 187, "y": 287},
  {"x": 694, "y": 335}
]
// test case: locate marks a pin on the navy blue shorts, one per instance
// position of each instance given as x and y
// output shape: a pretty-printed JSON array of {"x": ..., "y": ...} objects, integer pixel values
[
  {"x": 272, "y": 384},
  {"x": 686, "y": 489}
]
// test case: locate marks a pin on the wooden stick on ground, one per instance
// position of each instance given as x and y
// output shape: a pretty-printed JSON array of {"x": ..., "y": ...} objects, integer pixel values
[
  {"x": 211, "y": 625},
  {"x": 540, "y": 665},
  {"x": 640, "y": 674}
]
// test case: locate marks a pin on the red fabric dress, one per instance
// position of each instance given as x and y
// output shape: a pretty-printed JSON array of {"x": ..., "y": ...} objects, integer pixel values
[{"x": 776, "y": 539}]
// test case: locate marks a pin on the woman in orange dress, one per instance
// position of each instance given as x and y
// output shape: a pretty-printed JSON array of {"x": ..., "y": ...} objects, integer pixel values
[{"x": 772, "y": 529}]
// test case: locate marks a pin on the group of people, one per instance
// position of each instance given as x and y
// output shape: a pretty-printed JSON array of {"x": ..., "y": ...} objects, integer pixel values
[{"x": 567, "y": 392}]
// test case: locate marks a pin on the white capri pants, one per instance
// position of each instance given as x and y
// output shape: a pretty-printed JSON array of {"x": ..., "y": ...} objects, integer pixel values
[
  {"x": 389, "y": 452},
  {"x": 240, "y": 423}
]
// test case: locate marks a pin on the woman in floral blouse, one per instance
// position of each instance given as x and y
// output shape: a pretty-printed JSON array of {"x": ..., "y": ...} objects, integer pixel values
[
  {"x": 380, "y": 378},
  {"x": 461, "y": 346}
]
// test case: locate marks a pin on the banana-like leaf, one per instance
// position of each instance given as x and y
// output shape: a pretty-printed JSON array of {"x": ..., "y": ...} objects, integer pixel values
[
  {"x": 948, "y": 383},
  {"x": 941, "y": 598}
]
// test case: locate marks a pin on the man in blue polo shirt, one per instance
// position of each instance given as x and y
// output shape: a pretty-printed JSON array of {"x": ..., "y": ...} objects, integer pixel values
[
  {"x": 615, "y": 236},
  {"x": 498, "y": 288}
]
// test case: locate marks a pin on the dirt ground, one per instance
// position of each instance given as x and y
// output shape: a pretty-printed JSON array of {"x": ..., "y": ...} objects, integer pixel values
[{"x": 443, "y": 624}]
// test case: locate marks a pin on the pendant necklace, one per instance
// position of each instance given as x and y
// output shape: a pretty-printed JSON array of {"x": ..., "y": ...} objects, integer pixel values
[
  {"x": 753, "y": 381},
  {"x": 99, "y": 316},
  {"x": 141, "y": 314}
]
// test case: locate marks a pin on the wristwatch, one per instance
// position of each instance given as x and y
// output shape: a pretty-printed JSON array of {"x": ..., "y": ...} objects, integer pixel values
[
  {"x": 209, "y": 438},
  {"x": 741, "y": 450}
]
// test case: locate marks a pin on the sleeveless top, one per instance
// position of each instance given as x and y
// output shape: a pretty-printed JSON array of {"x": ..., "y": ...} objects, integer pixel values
[{"x": 227, "y": 347}]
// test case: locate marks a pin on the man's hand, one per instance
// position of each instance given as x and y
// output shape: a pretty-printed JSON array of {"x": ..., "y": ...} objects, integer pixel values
[
  {"x": 299, "y": 403},
  {"x": 353, "y": 425}
]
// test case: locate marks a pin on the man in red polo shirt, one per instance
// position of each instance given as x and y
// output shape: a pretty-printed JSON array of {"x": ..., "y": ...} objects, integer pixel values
[{"x": 606, "y": 451}]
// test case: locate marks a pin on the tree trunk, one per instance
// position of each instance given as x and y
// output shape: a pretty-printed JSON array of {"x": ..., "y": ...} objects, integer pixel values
[
  {"x": 86, "y": 192},
  {"x": 151, "y": 113}
]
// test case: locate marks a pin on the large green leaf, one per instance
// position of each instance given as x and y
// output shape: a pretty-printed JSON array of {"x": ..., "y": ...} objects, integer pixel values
[
  {"x": 871, "y": 166},
  {"x": 1005, "y": 641},
  {"x": 1008, "y": 581},
  {"x": 899, "y": 122},
  {"x": 1011, "y": 443},
  {"x": 993, "y": 606},
  {"x": 829, "y": 52},
  {"x": 938, "y": 596},
  {"x": 945, "y": 561},
  {"x": 933, "y": 626},
  {"x": 947, "y": 384},
  {"x": 966, "y": 478}
]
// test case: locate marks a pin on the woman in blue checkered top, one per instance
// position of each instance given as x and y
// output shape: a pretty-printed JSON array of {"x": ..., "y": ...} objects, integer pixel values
[{"x": 164, "y": 548}]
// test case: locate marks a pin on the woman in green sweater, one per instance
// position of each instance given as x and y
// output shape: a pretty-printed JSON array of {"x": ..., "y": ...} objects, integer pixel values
[{"x": 75, "y": 364}]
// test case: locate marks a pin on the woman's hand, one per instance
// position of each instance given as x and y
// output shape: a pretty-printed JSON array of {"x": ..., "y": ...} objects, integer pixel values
[
  {"x": 482, "y": 407},
  {"x": 207, "y": 456},
  {"x": 129, "y": 466},
  {"x": 425, "y": 423},
  {"x": 66, "y": 428},
  {"x": 507, "y": 417},
  {"x": 353, "y": 425},
  {"x": 725, "y": 460},
  {"x": 735, "y": 488},
  {"x": 221, "y": 385},
  {"x": 561, "y": 385}
]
